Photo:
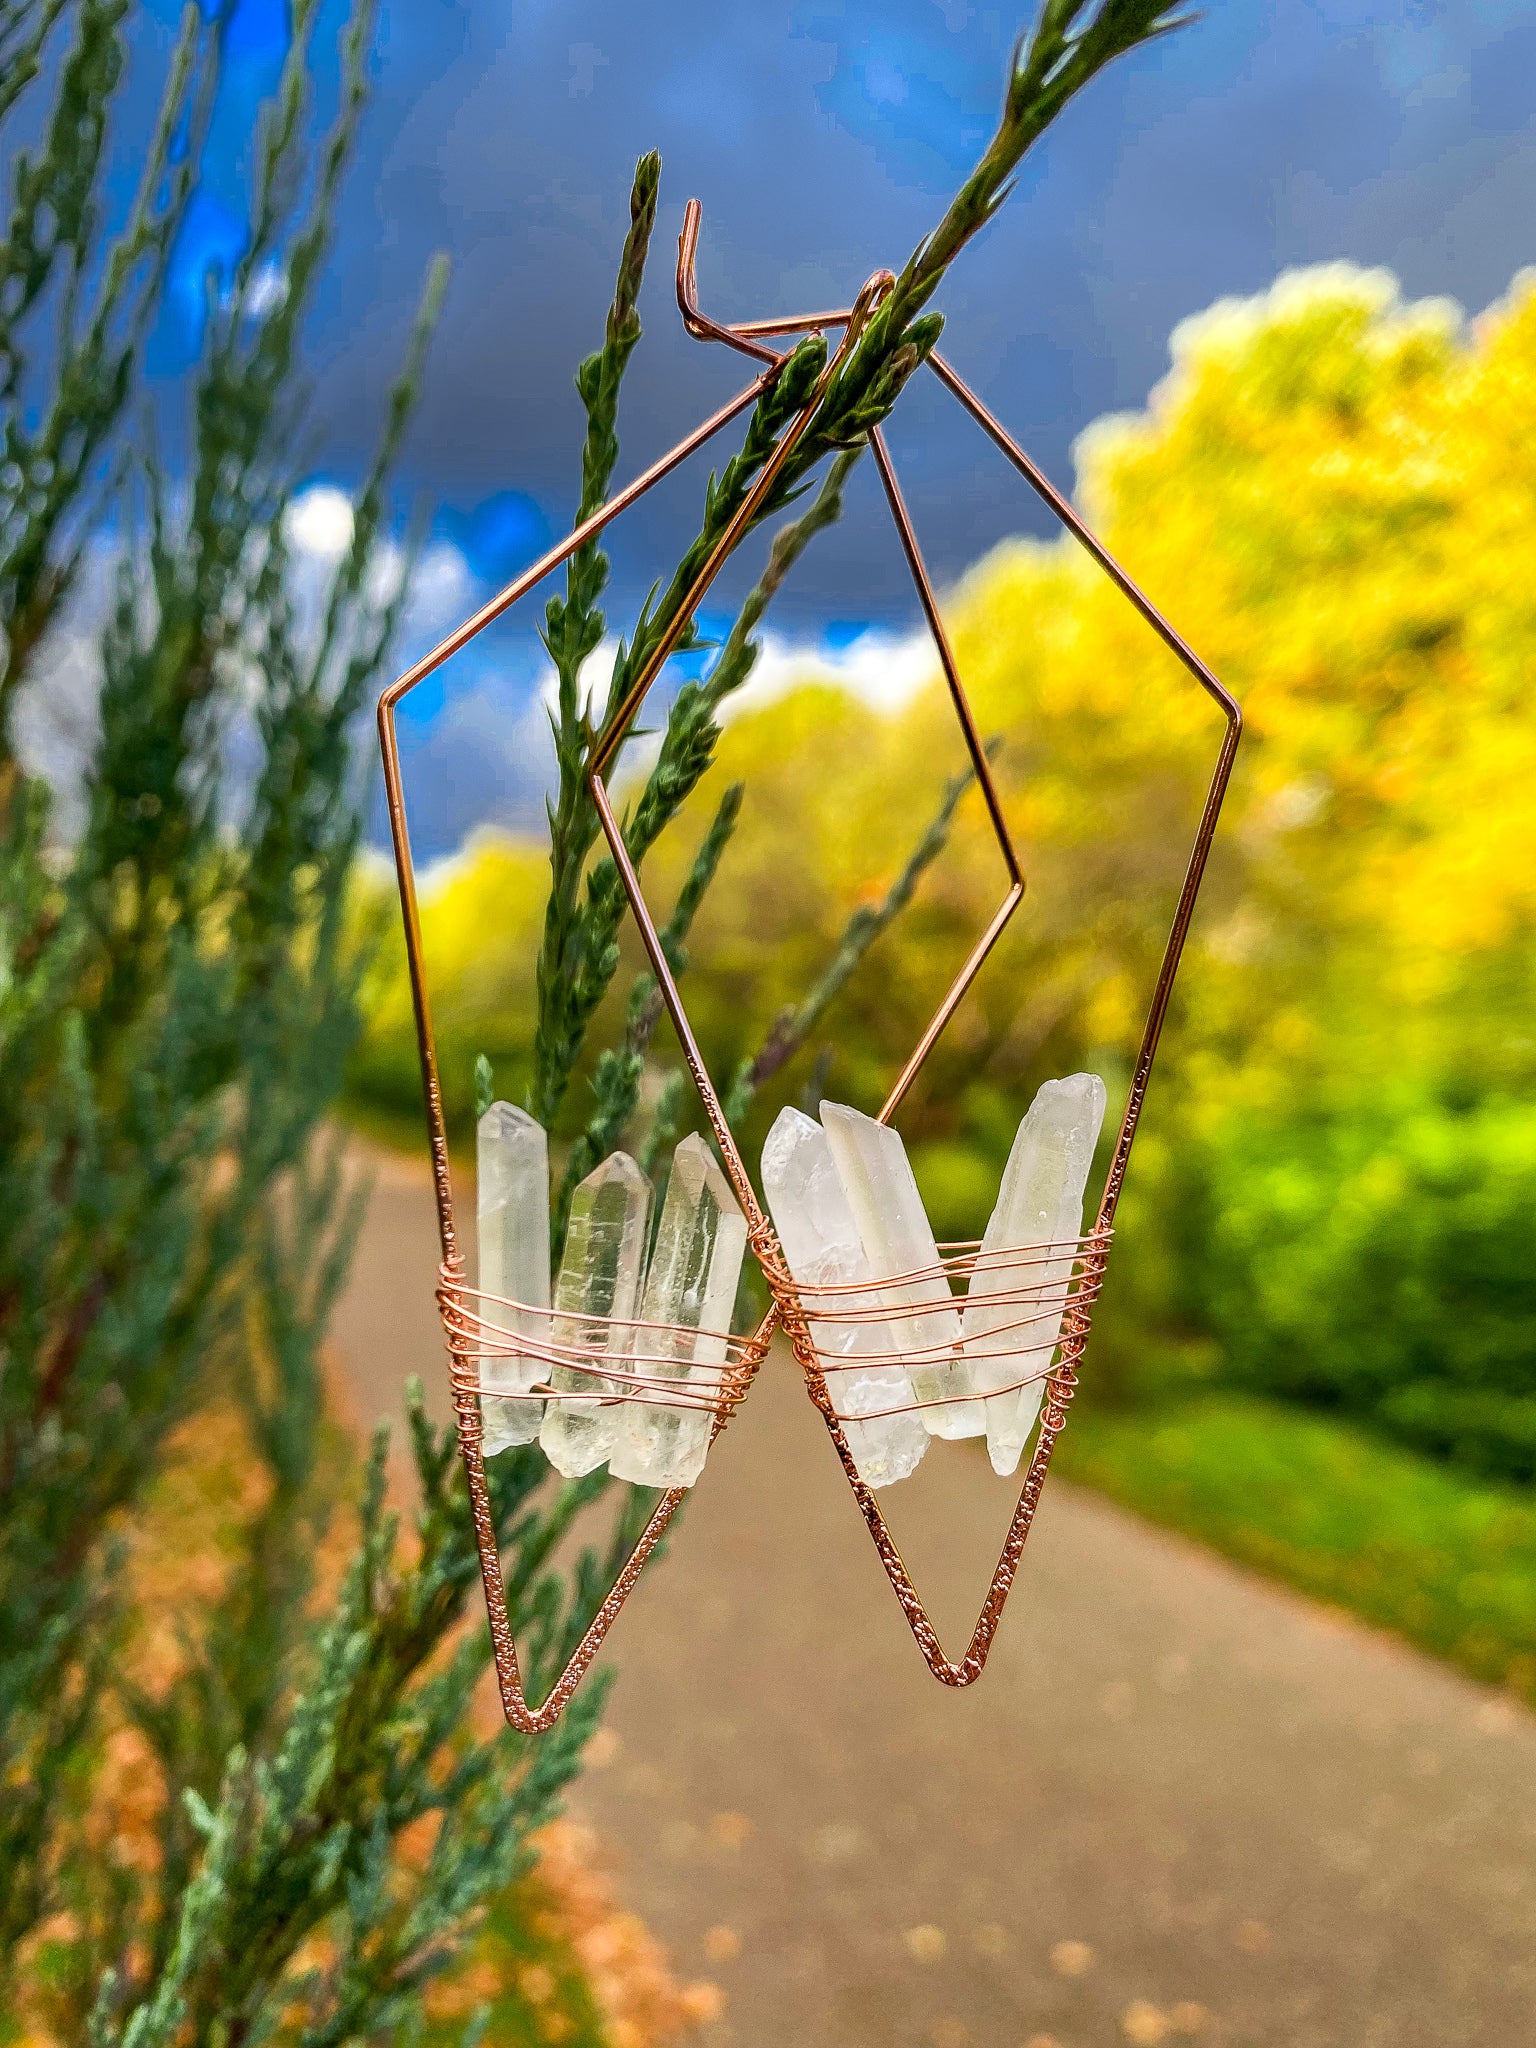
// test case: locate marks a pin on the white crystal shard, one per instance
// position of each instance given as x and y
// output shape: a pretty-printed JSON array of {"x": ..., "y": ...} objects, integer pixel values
[
  {"x": 1040, "y": 1203},
  {"x": 820, "y": 1240},
  {"x": 600, "y": 1277},
  {"x": 512, "y": 1215},
  {"x": 893, "y": 1227},
  {"x": 696, "y": 1263}
]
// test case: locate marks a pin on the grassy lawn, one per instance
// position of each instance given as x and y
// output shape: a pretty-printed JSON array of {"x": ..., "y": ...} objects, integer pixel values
[{"x": 1447, "y": 1561}]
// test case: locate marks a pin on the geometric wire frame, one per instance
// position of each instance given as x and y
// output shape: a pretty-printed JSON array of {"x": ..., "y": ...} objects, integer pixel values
[{"x": 788, "y": 1310}]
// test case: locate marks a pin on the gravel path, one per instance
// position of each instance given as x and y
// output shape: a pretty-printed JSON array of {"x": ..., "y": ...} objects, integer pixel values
[{"x": 1181, "y": 1804}]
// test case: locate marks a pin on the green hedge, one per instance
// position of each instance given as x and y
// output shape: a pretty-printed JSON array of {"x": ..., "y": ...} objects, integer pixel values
[{"x": 1381, "y": 1265}]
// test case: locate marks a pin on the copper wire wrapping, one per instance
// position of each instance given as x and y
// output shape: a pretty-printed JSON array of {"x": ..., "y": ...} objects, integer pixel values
[
  {"x": 674, "y": 1381},
  {"x": 1038, "y": 1304},
  {"x": 794, "y": 1309}
]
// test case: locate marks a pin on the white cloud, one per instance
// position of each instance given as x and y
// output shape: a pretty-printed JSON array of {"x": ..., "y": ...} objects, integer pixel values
[
  {"x": 57, "y": 721},
  {"x": 319, "y": 523},
  {"x": 443, "y": 590},
  {"x": 882, "y": 670},
  {"x": 442, "y": 595}
]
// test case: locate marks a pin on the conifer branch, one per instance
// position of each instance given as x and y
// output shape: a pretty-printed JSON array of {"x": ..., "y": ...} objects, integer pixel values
[
  {"x": 1072, "y": 41},
  {"x": 616, "y": 1080},
  {"x": 687, "y": 751},
  {"x": 573, "y": 630}
]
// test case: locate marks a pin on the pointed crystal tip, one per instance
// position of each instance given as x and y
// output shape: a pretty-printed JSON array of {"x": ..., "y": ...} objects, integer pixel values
[
  {"x": 512, "y": 1214},
  {"x": 619, "y": 1170},
  {"x": 821, "y": 1244},
  {"x": 506, "y": 1118},
  {"x": 701, "y": 1174}
]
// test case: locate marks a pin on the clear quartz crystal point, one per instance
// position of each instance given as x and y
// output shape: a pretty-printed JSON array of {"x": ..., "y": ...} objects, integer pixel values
[
  {"x": 1040, "y": 1203},
  {"x": 600, "y": 1277},
  {"x": 894, "y": 1230},
  {"x": 820, "y": 1240},
  {"x": 696, "y": 1263},
  {"x": 512, "y": 1217}
]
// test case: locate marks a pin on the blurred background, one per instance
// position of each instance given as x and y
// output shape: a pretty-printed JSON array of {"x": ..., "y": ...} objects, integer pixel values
[{"x": 1258, "y": 304}]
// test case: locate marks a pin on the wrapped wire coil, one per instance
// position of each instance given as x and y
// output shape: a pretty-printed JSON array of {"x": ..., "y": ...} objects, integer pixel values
[
  {"x": 657, "y": 1377},
  {"x": 1046, "y": 1323}
]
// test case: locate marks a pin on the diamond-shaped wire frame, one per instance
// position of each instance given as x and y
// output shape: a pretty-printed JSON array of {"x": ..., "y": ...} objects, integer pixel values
[
  {"x": 1062, "y": 1380},
  {"x": 519, "y": 1711},
  {"x": 747, "y": 337},
  {"x": 458, "y": 1326}
]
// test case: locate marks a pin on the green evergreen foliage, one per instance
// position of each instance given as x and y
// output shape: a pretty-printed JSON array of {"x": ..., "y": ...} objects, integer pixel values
[
  {"x": 177, "y": 1000},
  {"x": 298, "y": 1827}
]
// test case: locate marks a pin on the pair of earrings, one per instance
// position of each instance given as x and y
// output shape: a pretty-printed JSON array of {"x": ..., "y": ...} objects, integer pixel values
[{"x": 804, "y": 1313}]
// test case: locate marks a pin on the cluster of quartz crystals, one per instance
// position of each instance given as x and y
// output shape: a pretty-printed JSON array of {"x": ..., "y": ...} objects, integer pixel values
[
  {"x": 852, "y": 1225},
  {"x": 848, "y": 1212},
  {"x": 604, "y": 1304}
]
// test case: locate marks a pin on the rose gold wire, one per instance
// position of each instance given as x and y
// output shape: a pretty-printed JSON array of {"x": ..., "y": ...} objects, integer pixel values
[
  {"x": 787, "y": 1307},
  {"x": 394, "y": 790},
  {"x": 759, "y": 1230},
  {"x": 980, "y": 765},
  {"x": 680, "y": 1384},
  {"x": 861, "y": 1305},
  {"x": 1216, "y": 789}
]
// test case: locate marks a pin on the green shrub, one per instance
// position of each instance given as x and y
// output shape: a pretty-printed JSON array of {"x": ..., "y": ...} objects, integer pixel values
[
  {"x": 1380, "y": 1263},
  {"x": 179, "y": 993}
]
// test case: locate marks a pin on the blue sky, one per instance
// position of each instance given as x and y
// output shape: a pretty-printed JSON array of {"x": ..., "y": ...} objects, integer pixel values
[{"x": 823, "y": 139}]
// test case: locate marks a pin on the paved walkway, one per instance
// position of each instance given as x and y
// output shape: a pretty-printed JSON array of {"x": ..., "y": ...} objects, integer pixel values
[{"x": 1181, "y": 1805}]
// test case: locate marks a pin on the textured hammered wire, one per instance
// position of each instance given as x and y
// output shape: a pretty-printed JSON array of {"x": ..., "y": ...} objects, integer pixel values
[{"x": 462, "y": 1331}]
